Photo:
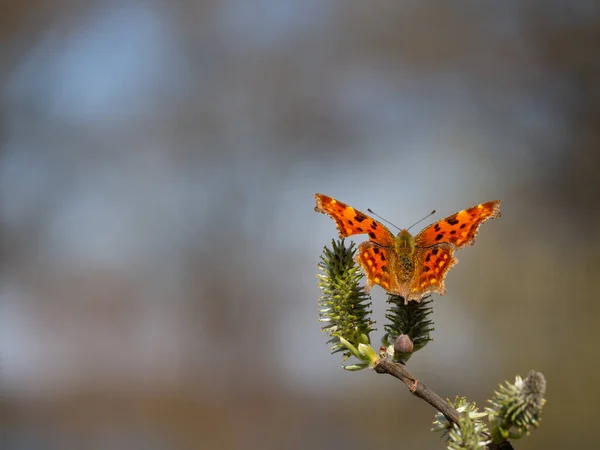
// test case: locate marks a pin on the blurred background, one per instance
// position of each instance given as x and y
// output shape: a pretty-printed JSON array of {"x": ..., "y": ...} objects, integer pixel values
[{"x": 157, "y": 168}]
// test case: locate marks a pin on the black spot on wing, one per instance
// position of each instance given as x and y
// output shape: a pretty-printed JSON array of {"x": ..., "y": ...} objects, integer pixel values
[
  {"x": 452, "y": 220},
  {"x": 439, "y": 236},
  {"x": 360, "y": 217},
  {"x": 372, "y": 235}
]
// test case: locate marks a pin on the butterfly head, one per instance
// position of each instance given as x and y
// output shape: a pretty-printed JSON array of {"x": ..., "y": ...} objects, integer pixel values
[{"x": 405, "y": 242}]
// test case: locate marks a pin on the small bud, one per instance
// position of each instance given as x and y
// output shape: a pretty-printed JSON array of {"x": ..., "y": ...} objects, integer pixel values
[
  {"x": 413, "y": 319},
  {"x": 368, "y": 354},
  {"x": 403, "y": 348},
  {"x": 403, "y": 344}
]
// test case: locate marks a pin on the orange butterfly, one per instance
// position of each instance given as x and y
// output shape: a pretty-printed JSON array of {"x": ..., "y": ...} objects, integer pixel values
[{"x": 405, "y": 265}]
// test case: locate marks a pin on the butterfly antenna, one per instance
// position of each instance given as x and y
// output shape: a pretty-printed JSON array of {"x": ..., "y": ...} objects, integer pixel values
[
  {"x": 385, "y": 220},
  {"x": 421, "y": 220}
]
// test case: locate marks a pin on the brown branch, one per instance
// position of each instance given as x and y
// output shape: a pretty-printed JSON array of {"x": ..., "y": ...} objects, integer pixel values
[
  {"x": 420, "y": 389},
  {"x": 417, "y": 388}
]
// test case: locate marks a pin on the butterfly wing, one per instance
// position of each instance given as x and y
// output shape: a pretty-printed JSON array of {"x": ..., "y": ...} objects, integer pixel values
[
  {"x": 458, "y": 229},
  {"x": 350, "y": 221},
  {"x": 378, "y": 263},
  {"x": 435, "y": 246},
  {"x": 431, "y": 269}
]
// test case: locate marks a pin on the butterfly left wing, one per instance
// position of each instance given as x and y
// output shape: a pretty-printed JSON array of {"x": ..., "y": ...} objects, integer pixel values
[
  {"x": 377, "y": 263},
  {"x": 458, "y": 229},
  {"x": 350, "y": 221}
]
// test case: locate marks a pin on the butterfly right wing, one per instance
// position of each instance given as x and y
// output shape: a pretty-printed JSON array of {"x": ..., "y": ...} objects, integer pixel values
[
  {"x": 350, "y": 221},
  {"x": 432, "y": 266},
  {"x": 458, "y": 229}
]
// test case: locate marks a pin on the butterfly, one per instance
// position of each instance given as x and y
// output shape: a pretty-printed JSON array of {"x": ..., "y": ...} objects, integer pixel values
[{"x": 403, "y": 265}]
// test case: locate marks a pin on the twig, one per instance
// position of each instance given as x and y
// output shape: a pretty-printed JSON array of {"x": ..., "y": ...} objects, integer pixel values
[
  {"x": 417, "y": 387},
  {"x": 420, "y": 389}
]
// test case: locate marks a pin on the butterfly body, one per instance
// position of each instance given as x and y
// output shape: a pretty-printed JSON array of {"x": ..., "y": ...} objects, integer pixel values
[
  {"x": 406, "y": 265},
  {"x": 405, "y": 249},
  {"x": 405, "y": 242}
]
